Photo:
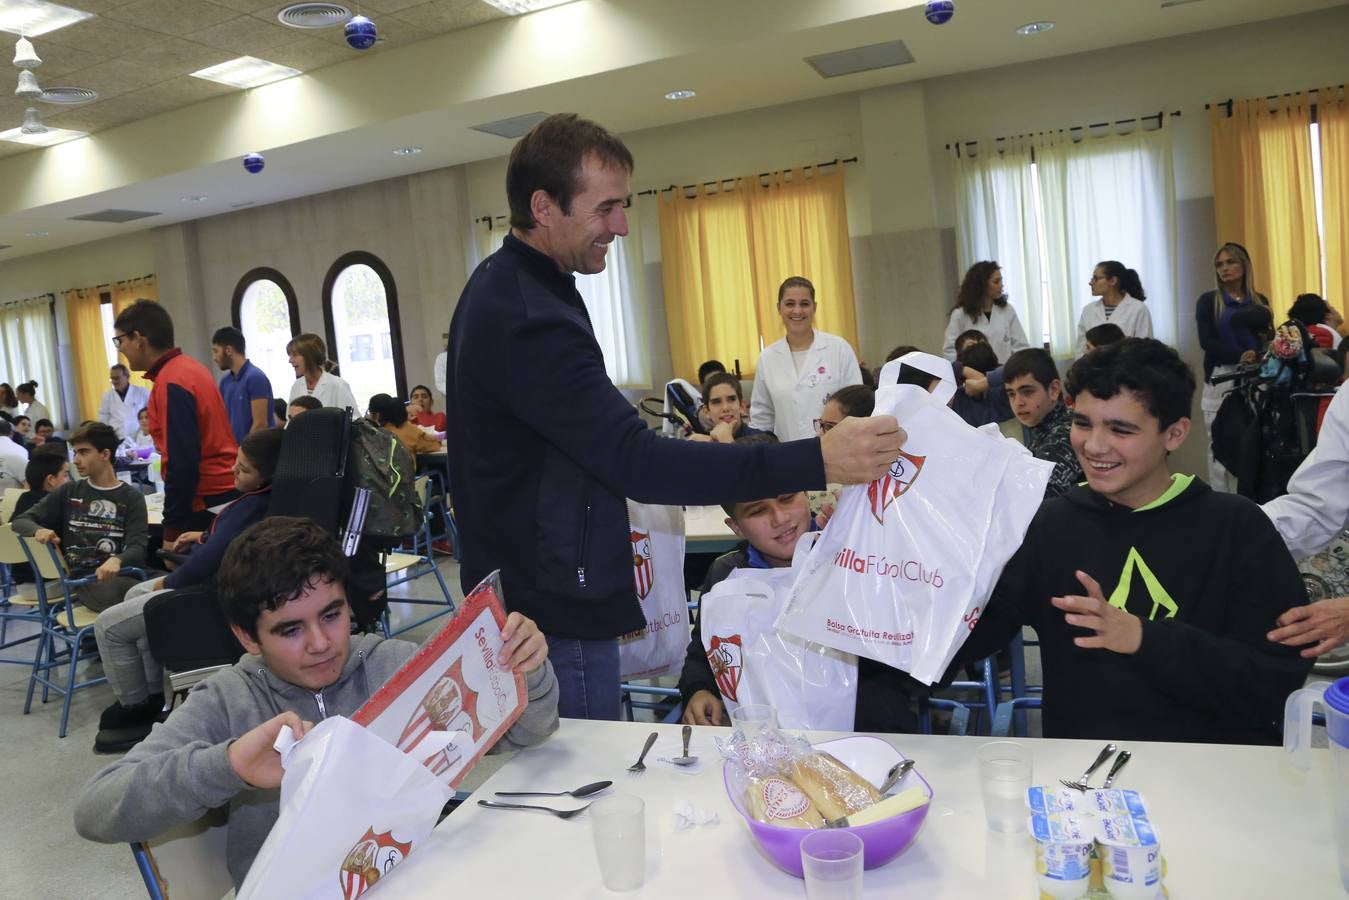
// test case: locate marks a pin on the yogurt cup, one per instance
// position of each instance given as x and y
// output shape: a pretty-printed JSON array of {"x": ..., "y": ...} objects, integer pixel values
[
  {"x": 1131, "y": 857},
  {"x": 1062, "y": 855}
]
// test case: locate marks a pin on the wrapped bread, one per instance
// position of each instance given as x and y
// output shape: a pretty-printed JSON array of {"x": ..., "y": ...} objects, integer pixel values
[
  {"x": 835, "y": 789},
  {"x": 776, "y": 801}
]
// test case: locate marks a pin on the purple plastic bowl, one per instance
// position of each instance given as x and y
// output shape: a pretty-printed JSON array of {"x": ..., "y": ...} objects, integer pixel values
[
  {"x": 144, "y": 452},
  {"x": 881, "y": 841}
]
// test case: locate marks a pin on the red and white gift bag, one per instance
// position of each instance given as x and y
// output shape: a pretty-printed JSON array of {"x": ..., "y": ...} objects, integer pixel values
[{"x": 657, "y": 534}]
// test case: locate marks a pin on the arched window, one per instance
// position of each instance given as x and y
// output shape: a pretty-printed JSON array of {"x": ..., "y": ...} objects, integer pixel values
[
  {"x": 264, "y": 309},
  {"x": 360, "y": 315}
]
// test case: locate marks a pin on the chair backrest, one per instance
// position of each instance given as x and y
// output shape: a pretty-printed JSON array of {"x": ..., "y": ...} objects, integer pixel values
[
  {"x": 310, "y": 476},
  {"x": 8, "y": 500},
  {"x": 11, "y": 551},
  {"x": 188, "y": 862},
  {"x": 46, "y": 560}
]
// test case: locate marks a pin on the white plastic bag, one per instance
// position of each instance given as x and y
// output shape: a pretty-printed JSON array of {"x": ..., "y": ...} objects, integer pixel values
[
  {"x": 353, "y": 806},
  {"x": 657, "y": 534},
  {"x": 906, "y": 564},
  {"x": 810, "y": 686}
]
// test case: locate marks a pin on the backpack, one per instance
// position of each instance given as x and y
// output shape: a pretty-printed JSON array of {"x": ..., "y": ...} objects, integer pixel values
[{"x": 381, "y": 465}]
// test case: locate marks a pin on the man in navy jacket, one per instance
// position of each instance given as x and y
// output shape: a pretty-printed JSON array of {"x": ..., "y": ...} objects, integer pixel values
[{"x": 544, "y": 448}]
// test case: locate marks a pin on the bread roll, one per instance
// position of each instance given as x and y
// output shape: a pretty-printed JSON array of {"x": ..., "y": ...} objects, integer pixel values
[
  {"x": 776, "y": 801},
  {"x": 835, "y": 789}
]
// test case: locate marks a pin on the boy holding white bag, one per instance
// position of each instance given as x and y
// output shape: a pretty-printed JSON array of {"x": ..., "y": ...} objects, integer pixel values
[{"x": 282, "y": 583}]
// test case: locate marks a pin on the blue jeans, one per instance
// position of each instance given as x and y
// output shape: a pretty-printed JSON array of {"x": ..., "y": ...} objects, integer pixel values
[{"x": 587, "y": 677}]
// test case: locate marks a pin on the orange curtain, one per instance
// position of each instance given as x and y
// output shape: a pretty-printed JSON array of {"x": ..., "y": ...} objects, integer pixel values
[
  {"x": 709, "y": 283},
  {"x": 125, "y": 293},
  {"x": 799, "y": 226},
  {"x": 1332, "y": 114},
  {"x": 1263, "y": 193},
  {"x": 88, "y": 349}
]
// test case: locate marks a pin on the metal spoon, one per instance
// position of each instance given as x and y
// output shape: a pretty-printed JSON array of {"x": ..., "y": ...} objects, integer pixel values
[
  {"x": 584, "y": 790},
  {"x": 560, "y": 813},
  {"x": 685, "y": 760},
  {"x": 1124, "y": 757},
  {"x": 895, "y": 775}
]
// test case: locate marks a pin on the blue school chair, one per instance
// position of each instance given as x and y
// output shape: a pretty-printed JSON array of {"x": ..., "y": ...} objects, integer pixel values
[
  {"x": 187, "y": 862},
  {"x": 672, "y": 715},
  {"x": 67, "y": 636},
  {"x": 960, "y": 715},
  {"x": 18, "y": 603},
  {"x": 1002, "y": 719},
  {"x": 400, "y": 568}
]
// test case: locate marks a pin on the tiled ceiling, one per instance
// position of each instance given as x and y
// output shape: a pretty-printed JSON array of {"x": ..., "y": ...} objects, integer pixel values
[{"x": 137, "y": 55}]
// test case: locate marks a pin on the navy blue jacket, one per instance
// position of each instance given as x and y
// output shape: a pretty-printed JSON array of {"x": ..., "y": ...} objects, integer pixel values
[
  {"x": 543, "y": 449},
  {"x": 204, "y": 560}
]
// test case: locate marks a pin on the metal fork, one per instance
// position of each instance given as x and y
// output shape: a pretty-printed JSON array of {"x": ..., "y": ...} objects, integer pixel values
[
  {"x": 560, "y": 813},
  {"x": 639, "y": 767},
  {"x": 1081, "y": 783}
]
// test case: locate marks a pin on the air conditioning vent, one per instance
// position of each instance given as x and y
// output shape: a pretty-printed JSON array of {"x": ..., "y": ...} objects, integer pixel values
[
  {"x": 68, "y": 96},
  {"x": 113, "y": 215},
  {"x": 313, "y": 15},
  {"x": 861, "y": 59}
]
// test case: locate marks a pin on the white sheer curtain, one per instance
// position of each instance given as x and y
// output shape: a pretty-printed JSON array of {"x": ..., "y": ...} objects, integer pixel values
[
  {"x": 995, "y": 219},
  {"x": 615, "y": 298},
  {"x": 28, "y": 350},
  {"x": 1110, "y": 197}
]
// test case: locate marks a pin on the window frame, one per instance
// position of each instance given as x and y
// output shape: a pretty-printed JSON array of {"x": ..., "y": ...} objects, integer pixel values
[
  {"x": 366, "y": 258},
  {"x": 265, "y": 273}
]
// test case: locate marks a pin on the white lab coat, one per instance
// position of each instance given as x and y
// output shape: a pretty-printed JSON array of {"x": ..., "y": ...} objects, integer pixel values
[
  {"x": 787, "y": 404},
  {"x": 441, "y": 357},
  {"x": 121, "y": 412},
  {"x": 330, "y": 390},
  {"x": 1131, "y": 316},
  {"x": 36, "y": 412},
  {"x": 1316, "y": 506},
  {"x": 13, "y": 462},
  {"x": 1001, "y": 327}
]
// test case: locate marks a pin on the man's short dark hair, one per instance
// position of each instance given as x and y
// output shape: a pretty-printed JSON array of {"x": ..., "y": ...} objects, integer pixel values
[
  {"x": 279, "y": 408},
  {"x": 981, "y": 357},
  {"x": 856, "y": 400},
  {"x": 119, "y": 367},
  {"x": 1102, "y": 335},
  {"x": 229, "y": 336},
  {"x": 549, "y": 159},
  {"x": 711, "y": 367},
  {"x": 1033, "y": 361},
  {"x": 38, "y": 425},
  {"x": 901, "y": 350},
  {"x": 149, "y": 319},
  {"x": 970, "y": 334},
  {"x": 1309, "y": 309},
  {"x": 389, "y": 410},
  {"x": 307, "y": 401},
  {"x": 97, "y": 435},
  {"x": 717, "y": 378},
  {"x": 45, "y": 461},
  {"x": 1153, "y": 372},
  {"x": 272, "y": 563}
]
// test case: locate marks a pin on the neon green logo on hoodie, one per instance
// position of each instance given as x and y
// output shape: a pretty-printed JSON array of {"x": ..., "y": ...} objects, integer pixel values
[{"x": 1119, "y": 597}]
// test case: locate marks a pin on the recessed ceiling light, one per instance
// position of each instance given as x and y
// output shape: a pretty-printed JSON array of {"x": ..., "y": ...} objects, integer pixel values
[
  {"x": 43, "y": 139},
  {"x": 681, "y": 95},
  {"x": 32, "y": 18},
  {"x": 246, "y": 72},
  {"x": 193, "y": 198},
  {"x": 1035, "y": 28},
  {"x": 520, "y": 7},
  {"x": 36, "y": 234},
  {"x": 407, "y": 151}
]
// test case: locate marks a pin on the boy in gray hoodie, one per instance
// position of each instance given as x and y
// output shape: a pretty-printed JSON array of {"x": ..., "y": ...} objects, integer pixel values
[{"x": 282, "y": 585}]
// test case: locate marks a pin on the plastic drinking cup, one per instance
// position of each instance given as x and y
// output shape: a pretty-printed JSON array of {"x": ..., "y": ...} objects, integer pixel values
[
  {"x": 751, "y": 718},
  {"x": 1004, "y": 778},
  {"x": 831, "y": 861},
  {"x": 618, "y": 825}
]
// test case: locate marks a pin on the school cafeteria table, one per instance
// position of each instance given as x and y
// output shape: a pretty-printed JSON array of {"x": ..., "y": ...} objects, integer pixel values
[
  {"x": 1233, "y": 821},
  {"x": 705, "y": 530}
]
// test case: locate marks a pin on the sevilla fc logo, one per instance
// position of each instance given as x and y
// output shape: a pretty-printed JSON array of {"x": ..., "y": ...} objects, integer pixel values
[
  {"x": 372, "y": 858},
  {"x": 642, "y": 572},
  {"x": 891, "y": 486},
  {"x": 448, "y": 706},
  {"x": 725, "y": 656}
]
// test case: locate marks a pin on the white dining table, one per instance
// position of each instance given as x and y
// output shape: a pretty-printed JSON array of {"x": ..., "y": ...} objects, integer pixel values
[
  {"x": 706, "y": 531},
  {"x": 1234, "y": 821}
]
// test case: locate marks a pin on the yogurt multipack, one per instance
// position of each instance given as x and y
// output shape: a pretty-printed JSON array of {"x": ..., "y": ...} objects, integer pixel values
[{"x": 1070, "y": 827}]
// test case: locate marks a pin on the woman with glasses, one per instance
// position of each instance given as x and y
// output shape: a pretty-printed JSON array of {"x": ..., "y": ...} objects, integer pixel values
[
  {"x": 797, "y": 374},
  {"x": 1121, "y": 303}
]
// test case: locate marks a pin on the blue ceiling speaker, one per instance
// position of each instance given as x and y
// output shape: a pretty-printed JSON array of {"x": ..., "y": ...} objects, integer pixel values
[
  {"x": 939, "y": 12},
  {"x": 360, "y": 33},
  {"x": 254, "y": 162}
]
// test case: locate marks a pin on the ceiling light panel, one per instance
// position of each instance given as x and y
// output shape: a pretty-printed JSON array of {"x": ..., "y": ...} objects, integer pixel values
[
  {"x": 33, "y": 18},
  {"x": 44, "y": 139},
  {"x": 246, "y": 72},
  {"x": 861, "y": 59},
  {"x": 521, "y": 7}
]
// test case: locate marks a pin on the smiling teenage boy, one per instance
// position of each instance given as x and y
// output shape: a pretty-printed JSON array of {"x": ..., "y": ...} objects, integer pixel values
[
  {"x": 1151, "y": 593},
  {"x": 724, "y": 406},
  {"x": 1036, "y": 396},
  {"x": 282, "y": 584}
]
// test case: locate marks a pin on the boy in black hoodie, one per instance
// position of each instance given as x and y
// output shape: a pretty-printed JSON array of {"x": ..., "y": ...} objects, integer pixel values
[{"x": 1151, "y": 593}]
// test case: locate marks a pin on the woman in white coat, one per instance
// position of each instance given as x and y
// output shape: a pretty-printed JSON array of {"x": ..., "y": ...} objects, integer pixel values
[
  {"x": 982, "y": 306},
  {"x": 796, "y": 375},
  {"x": 1121, "y": 303},
  {"x": 309, "y": 359}
]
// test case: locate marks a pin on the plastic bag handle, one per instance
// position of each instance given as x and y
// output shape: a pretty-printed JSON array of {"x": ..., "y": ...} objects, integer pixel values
[
  {"x": 1297, "y": 722},
  {"x": 936, "y": 366},
  {"x": 803, "y": 545}
]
